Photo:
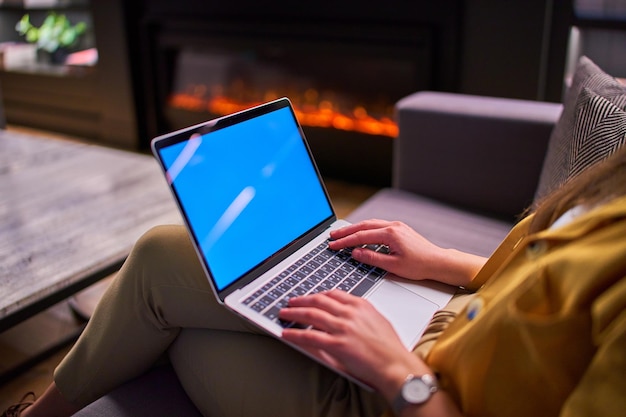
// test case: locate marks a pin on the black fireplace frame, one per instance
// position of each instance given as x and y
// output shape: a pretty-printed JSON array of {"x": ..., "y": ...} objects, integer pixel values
[
  {"x": 395, "y": 24},
  {"x": 431, "y": 29},
  {"x": 353, "y": 156}
]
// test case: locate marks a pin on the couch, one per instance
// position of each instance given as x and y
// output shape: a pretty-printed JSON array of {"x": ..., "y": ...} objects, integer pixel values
[{"x": 465, "y": 168}]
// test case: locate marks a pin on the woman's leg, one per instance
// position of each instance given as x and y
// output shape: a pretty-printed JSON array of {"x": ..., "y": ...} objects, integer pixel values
[
  {"x": 160, "y": 289},
  {"x": 237, "y": 374},
  {"x": 222, "y": 361}
]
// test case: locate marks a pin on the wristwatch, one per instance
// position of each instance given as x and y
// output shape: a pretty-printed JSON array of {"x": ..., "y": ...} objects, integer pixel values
[{"x": 416, "y": 390}]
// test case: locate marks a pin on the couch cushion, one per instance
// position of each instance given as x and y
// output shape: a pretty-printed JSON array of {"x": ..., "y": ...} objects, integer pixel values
[
  {"x": 469, "y": 151},
  {"x": 444, "y": 225},
  {"x": 157, "y": 393},
  {"x": 590, "y": 128}
]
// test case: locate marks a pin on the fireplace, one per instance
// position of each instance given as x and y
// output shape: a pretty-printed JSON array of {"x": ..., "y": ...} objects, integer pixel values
[
  {"x": 342, "y": 74},
  {"x": 324, "y": 91}
]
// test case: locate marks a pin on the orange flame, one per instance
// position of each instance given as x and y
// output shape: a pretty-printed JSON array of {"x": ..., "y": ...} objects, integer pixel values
[{"x": 322, "y": 114}]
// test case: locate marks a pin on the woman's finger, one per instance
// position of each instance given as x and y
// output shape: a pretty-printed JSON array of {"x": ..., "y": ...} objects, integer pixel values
[
  {"x": 359, "y": 238},
  {"x": 314, "y": 343},
  {"x": 363, "y": 225},
  {"x": 322, "y": 300},
  {"x": 318, "y": 310}
]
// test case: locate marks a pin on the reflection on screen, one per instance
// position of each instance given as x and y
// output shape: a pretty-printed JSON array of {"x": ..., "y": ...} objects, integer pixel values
[{"x": 247, "y": 191}]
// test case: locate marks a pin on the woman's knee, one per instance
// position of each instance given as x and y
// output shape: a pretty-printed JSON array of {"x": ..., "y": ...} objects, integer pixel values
[
  {"x": 161, "y": 253},
  {"x": 165, "y": 245},
  {"x": 161, "y": 239}
]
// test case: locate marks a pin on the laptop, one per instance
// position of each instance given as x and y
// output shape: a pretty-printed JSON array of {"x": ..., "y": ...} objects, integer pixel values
[{"x": 259, "y": 216}]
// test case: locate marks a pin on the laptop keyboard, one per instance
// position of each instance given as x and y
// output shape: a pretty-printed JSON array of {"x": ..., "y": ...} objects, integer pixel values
[{"x": 322, "y": 269}]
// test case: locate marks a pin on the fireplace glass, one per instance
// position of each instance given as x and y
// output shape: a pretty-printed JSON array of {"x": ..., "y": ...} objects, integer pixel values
[{"x": 343, "y": 92}]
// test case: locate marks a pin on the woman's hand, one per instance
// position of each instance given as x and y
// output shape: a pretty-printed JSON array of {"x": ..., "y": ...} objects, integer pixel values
[
  {"x": 410, "y": 254},
  {"x": 349, "y": 333}
]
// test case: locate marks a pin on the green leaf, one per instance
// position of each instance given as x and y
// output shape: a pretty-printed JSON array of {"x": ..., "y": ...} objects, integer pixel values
[
  {"x": 23, "y": 25},
  {"x": 67, "y": 38},
  {"x": 32, "y": 35},
  {"x": 50, "y": 20}
]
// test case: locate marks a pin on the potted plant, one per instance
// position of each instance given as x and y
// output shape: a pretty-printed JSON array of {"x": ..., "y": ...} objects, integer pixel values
[{"x": 55, "y": 37}]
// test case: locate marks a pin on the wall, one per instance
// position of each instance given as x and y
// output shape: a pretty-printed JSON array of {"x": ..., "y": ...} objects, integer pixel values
[{"x": 515, "y": 48}]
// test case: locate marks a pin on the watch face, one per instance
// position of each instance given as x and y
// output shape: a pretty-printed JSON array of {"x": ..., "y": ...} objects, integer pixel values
[{"x": 416, "y": 391}]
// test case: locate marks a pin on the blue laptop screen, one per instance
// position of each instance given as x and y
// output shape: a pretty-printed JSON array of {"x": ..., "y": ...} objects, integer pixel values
[{"x": 247, "y": 190}]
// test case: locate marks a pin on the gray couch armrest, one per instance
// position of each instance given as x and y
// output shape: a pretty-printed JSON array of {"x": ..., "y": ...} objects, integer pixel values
[{"x": 478, "y": 153}]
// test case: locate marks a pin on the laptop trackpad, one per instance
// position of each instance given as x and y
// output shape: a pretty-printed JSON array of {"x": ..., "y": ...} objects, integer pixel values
[{"x": 408, "y": 312}]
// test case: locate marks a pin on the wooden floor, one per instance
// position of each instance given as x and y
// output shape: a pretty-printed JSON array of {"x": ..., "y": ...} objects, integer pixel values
[{"x": 47, "y": 329}]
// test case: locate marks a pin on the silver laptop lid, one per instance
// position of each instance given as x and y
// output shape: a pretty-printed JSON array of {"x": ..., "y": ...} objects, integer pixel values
[{"x": 248, "y": 189}]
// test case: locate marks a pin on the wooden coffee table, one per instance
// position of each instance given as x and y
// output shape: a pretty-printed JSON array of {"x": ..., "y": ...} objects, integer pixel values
[{"x": 69, "y": 214}]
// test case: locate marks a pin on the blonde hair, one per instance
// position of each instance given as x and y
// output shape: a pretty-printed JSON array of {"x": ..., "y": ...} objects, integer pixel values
[{"x": 597, "y": 184}]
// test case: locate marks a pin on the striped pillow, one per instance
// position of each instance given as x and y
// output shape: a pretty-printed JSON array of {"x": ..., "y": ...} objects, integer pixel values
[
  {"x": 599, "y": 131},
  {"x": 590, "y": 128}
]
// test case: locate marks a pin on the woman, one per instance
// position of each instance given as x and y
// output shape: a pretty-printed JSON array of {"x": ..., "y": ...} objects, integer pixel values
[{"x": 545, "y": 333}]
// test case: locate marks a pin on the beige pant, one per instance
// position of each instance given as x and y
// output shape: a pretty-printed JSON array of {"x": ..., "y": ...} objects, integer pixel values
[{"x": 160, "y": 302}]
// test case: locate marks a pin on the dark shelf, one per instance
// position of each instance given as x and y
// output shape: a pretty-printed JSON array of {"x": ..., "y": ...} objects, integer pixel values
[
  {"x": 53, "y": 70},
  {"x": 60, "y": 5},
  {"x": 72, "y": 99}
]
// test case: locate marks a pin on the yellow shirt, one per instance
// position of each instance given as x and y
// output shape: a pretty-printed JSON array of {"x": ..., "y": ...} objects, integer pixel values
[{"x": 546, "y": 334}]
